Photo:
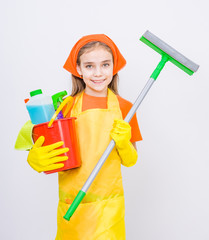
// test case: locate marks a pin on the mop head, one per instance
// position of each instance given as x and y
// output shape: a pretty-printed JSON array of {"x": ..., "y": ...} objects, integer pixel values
[{"x": 165, "y": 50}]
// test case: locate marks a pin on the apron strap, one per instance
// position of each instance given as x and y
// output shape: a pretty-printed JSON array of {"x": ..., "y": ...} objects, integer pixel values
[
  {"x": 77, "y": 107},
  {"x": 112, "y": 100}
]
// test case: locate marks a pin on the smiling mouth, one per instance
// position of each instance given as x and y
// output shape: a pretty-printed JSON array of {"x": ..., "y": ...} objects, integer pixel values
[{"x": 98, "y": 81}]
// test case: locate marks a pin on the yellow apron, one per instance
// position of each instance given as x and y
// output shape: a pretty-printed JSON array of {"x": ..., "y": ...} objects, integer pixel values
[{"x": 100, "y": 216}]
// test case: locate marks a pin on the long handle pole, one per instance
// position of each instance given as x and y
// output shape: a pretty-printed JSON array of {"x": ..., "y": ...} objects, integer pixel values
[
  {"x": 105, "y": 155},
  {"x": 111, "y": 145}
]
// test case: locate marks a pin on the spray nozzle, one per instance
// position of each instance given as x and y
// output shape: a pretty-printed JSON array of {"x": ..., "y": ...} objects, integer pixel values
[{"x": 57, "y": 98}]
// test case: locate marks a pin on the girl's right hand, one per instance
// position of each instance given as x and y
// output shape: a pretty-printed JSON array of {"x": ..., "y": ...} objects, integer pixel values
[{"x": 46, "y": 158}]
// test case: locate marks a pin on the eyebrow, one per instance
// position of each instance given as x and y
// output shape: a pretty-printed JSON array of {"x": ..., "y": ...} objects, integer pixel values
[{"x": 109, "y": 60}]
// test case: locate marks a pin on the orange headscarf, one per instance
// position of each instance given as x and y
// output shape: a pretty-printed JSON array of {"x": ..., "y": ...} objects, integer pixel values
[{"x": 119, "y": 60}]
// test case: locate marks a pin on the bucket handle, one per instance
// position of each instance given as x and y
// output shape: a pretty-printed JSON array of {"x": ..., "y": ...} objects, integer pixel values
[{"x": 67, "y": 100}]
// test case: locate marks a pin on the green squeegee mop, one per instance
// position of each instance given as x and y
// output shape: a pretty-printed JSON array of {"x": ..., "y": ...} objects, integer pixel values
[{"x": 168, "y": 54}]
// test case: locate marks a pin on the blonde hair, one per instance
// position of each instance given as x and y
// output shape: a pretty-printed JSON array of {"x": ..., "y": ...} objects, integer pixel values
[{"x": 78, "y": 85}]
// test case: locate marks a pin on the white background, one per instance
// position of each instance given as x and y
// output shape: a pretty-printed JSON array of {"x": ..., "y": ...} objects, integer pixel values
[{"x": 167, "y": 191}]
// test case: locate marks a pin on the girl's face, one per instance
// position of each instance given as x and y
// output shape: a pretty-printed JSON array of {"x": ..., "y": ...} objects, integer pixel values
[{"x": 96, "y": 68}]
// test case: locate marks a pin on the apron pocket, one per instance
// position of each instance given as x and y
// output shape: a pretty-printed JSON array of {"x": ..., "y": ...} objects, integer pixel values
[{"x": 92, "y": 220}]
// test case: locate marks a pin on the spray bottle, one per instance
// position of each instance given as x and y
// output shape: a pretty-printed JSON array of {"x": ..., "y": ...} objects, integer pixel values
[{"x": 57, "y": 100}]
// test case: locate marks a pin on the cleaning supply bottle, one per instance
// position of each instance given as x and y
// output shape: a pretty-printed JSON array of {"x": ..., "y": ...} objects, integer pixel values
[
  {"x": 40, "y": 107},
  {"x": 57, "y": 100}
]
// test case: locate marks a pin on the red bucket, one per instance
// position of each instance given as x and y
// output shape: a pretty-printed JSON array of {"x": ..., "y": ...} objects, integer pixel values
[{"x": 61, "y": 130}]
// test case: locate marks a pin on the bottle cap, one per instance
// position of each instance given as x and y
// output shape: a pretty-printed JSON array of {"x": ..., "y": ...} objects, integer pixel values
[{"x": 36, "y": 92}]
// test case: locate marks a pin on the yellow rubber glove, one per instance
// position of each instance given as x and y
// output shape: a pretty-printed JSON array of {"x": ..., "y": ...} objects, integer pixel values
[
  {"x": 46, "y": 158},
  {"x": 121, "y": 134}
]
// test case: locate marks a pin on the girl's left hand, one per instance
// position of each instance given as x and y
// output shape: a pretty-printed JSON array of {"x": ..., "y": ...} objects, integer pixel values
[{"x": 121, "y": 133}]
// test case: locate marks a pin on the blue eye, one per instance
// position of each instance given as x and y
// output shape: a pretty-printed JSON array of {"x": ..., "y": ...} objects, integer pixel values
[
  {"x": 88, "y": 66},
  {"x": 106, "y": 64}
]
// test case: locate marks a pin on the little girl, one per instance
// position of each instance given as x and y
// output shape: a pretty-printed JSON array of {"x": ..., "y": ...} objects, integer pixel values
[{"x": 94, "y": 62}]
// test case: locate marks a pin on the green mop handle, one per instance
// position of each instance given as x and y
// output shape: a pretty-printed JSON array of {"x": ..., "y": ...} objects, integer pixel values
[
  {"x": 111, "y": 145},
  {"x": 74, "y": 205}
]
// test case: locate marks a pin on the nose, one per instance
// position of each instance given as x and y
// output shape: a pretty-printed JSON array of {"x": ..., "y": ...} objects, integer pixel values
[{"x": 97, "y": 71}]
